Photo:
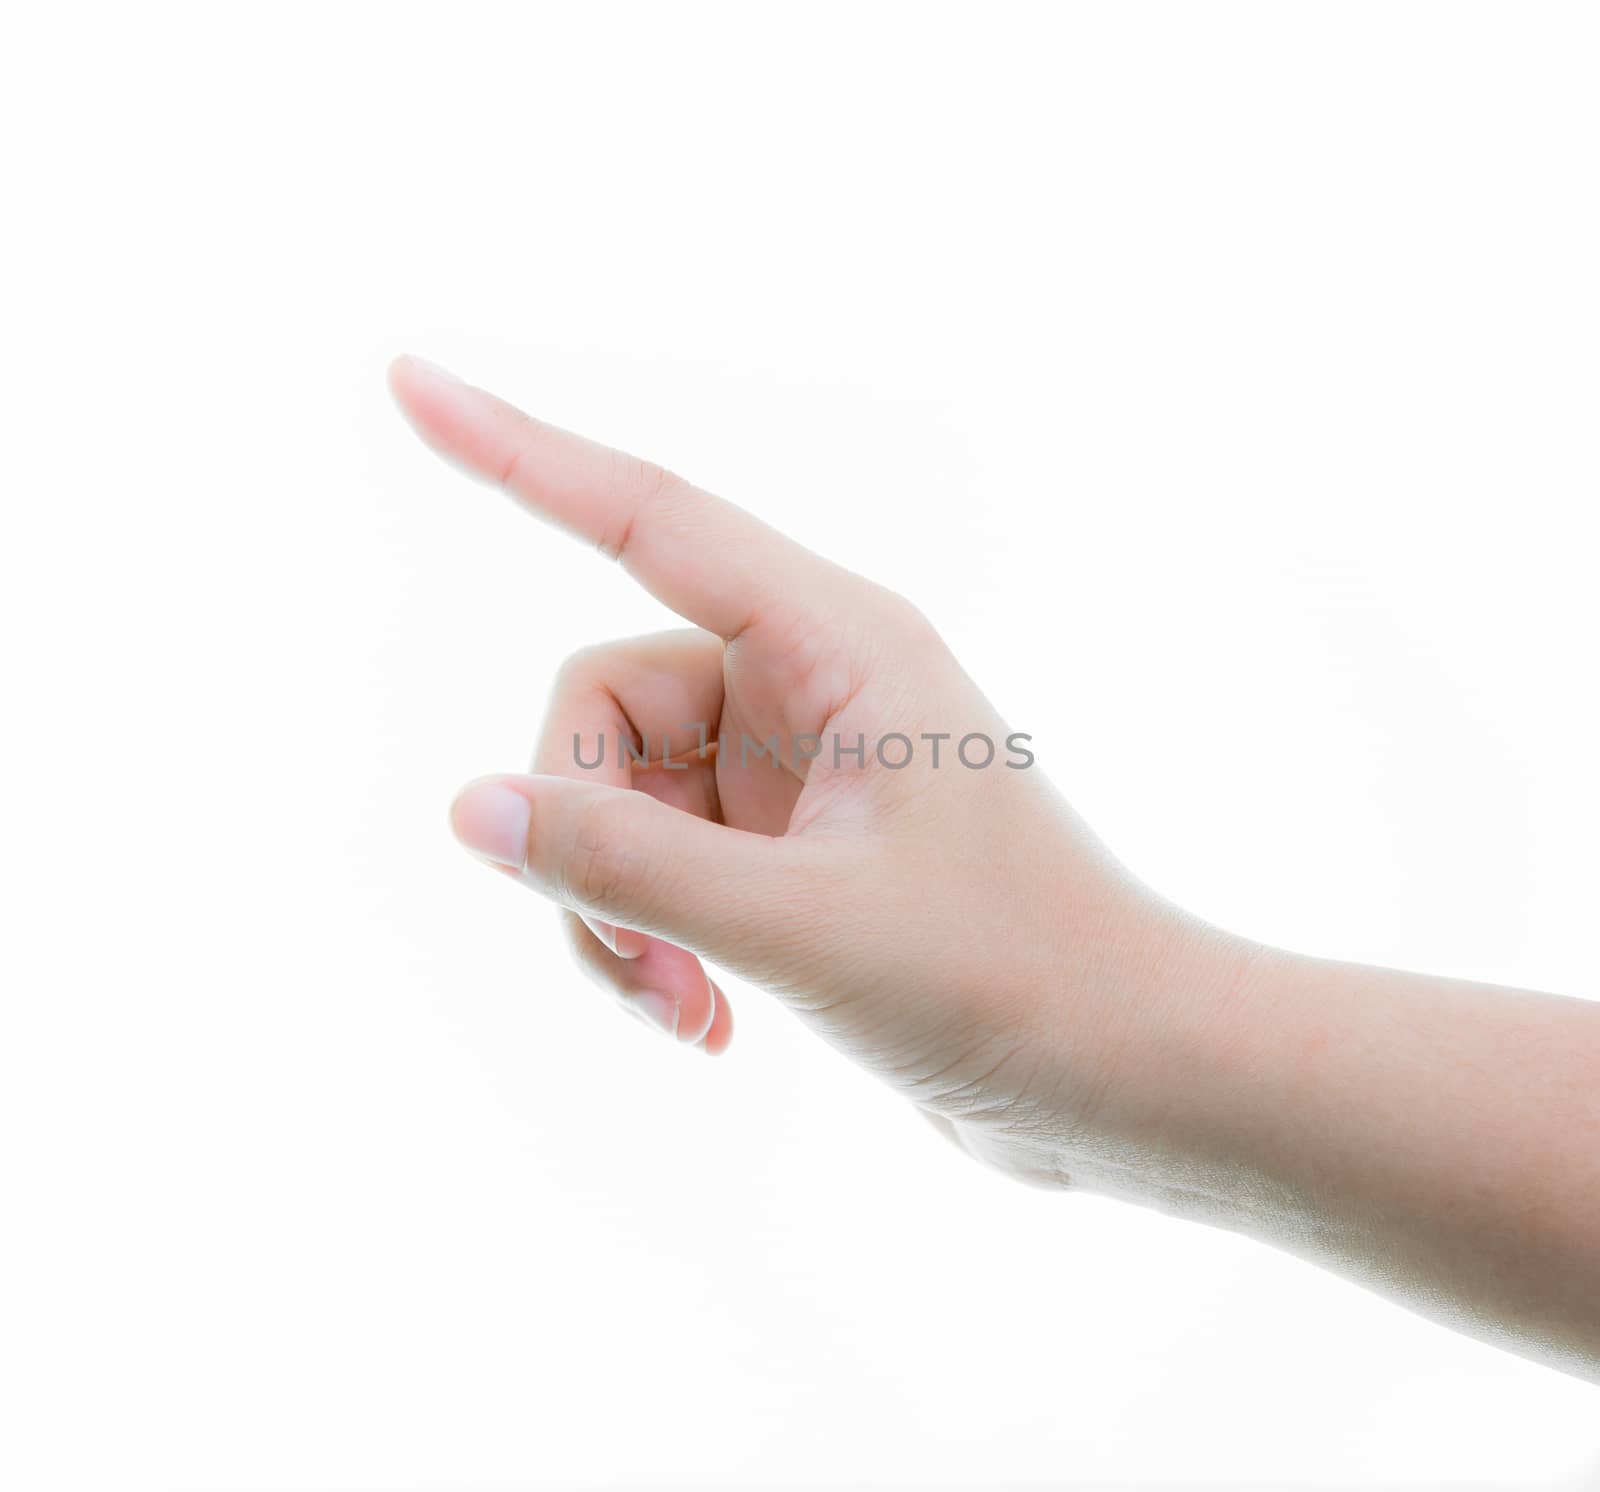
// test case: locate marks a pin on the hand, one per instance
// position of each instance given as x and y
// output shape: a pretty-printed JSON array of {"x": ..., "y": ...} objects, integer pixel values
[
  {"x": 957, "y": 930},
  {"x": 827, "y": 807}
]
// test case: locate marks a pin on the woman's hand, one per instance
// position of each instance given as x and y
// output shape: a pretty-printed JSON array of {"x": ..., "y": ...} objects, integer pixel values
[
  {"x": 807, "y": 790},
  {"x": 954, "y": 927}
]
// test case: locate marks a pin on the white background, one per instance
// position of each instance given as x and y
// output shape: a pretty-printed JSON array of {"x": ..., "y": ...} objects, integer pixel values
[{"x": 1222, "y": 379}]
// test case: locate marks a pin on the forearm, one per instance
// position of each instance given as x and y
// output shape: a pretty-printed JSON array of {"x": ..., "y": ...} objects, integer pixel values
[{"x": 1437, "y": 1140}]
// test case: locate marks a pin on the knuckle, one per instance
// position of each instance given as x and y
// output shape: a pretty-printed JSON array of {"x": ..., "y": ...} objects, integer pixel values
[
  {"x": 648, "y": 485},
  {"x": 653, "y": 482},
  {"x": 581, "y": 665},
  {"x": 601, "y": 868},
  {"x": 595, "y": 666},
  {"x": 902, "y": 617}
]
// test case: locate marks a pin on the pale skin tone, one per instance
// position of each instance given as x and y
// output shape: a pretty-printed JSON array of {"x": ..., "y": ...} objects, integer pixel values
[{"x": 963, "y": 935}]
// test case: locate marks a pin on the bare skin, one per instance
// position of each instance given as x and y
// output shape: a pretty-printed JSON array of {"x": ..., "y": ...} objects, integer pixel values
[{"x": 962, "y": 933}]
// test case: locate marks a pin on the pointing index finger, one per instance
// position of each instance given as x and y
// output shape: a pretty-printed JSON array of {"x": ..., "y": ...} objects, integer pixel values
[{"x": 711, "y": 562}]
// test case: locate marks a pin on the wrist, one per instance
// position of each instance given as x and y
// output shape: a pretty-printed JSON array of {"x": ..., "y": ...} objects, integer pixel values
[{"x": 1166, "y": 1044}]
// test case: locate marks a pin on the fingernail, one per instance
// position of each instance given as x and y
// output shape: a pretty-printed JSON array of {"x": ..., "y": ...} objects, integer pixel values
[
  {"x": 659, "y": 1009},
  {"x": 491, "y": 820},
  {"x": 630, "y": 943},
  {"x": 720, "y": 1005}
]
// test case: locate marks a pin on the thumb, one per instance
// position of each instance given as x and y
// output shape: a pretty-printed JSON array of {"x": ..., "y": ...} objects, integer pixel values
[{"x": 628, "y": 858}]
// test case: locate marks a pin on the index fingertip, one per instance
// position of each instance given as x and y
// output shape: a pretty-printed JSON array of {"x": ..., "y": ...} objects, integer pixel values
[{"x": 410, "y": 375}]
